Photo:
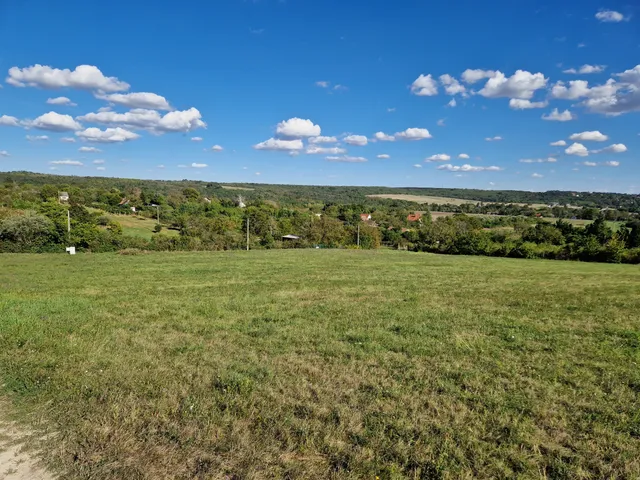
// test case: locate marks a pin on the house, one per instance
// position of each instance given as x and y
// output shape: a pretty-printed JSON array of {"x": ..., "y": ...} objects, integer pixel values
[
  {"x": 63, "y": 196},
  {"x": 124, "y": 201},
  {"x": 414, "y": 217},
  {"x": 365, "y": 217}
]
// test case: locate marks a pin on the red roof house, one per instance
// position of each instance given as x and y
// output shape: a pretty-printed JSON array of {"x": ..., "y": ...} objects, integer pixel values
[
  {"x": 414, "y": 217},
  {"x": 365, "y": 217}
]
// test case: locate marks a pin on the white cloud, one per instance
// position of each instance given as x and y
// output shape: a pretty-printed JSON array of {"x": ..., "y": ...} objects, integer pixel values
[
  {"x": 493, "y": 139},
  {"x": 89, "y": 149},
  {"x": 610, "y": 16},
  {"x": 61, "y": 101},
  {"x": 4, "y": 153},
  {"x": 196, "y": 139},
  {"x": 615, "y": 148},
  {"x": 383, "y": 137},
  {"x": 577, "y": 89},
  {"x": 315, "y": 150},
  {"x": 199, "y": 165},
  {"x": 463, "y": 156},
  {"x": 424, "y": 86},
  {"x": 37, "y": 138},
  {"x": 217, "y": 148},
  {"x": 137, "y": 100},
  {"x": 258, "y": 173},
  {"x": 72, "y": 163},
  {"x": 536, "y": 175},
  {"x": 611, "y": 98},
  {"x": 538, "y": 160},
  {"x": 102, "y": 169},
  {"x": 391, "y": 110},
  {"x": 468, "y": 168},
  {"x": 160, "y": 166},
  {"x": 521, "y": 84},
  {"x": 359, "y": 140},
  {"x": 413, "y": 134},
  {"x": 440, "y": 157},
  {"x": 472, "y": 76},
  {"x": 340, "y": 88},
  {"x": 298, "y": 128},
  {"x": 631, "y": 76},
  {"x": 586, "y": 69},
  {"x": 104, "y": 109},
  {"x": 55, "y": 122},
  {"x": 441, "y": 123},
  {"x": 8, "y": 121},
  {"x": 384, "y": 156},
  {"x": 151, "y": 120},
  {"x": 452, "y": 85},
  {"x": 346, "y": 159},
  {"x": 611, "y": 163},
  {"x": 98, "y": 162},
  {"x": 322, "y": 84},
  {"x": 452, "y": 103},
  {"x": 109, "y": 135},
  {"x": 594, "y": 136},
  {"x": 276, "y": 144},
  {"x": 292, "y": 153},
  {"x": 587, "y": 163},
  {"x": 557, "y": 116},
  {"x": 417, "y": 165},
  {"x": 559, "y": 143},
  {"x": 520, "y": 104},
  {"x": 316, "y": 140},
  {"x": 84, "y": 77},
  {"x": 577, "y": 149}
]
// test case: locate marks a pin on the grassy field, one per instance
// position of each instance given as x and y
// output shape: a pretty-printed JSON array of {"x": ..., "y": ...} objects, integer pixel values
[
  {"x": 438, "y": 200},
  {"x": 324, "y": 364},
  {"x": 136, "y": 226}
]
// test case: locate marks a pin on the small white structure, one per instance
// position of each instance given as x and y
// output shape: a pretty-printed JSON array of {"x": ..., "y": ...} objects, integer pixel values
[
  {"x": 240, "y": 202},
  {"x": 71, "y": 250},
  {"x": 133, "y": 209},
  {"x": 63, "y": 196}
]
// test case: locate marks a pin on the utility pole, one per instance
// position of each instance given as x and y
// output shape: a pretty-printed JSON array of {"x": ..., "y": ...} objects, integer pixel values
[
  {"x": 69, "y": 225},
  {"x": 158, "y": 211},
  {"x": 247, "y": 234},
  {"x": 358, "y": 235}
]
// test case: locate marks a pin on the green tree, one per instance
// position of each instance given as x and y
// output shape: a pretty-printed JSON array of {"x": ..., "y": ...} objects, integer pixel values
[{"x": 27, "y": 231}]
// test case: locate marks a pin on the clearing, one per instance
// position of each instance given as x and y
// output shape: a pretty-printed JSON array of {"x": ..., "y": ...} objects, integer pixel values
[
  {"x": 136, "y": 226},
  {"x": 340, "y": 364},
  {"x": 228, "y": 187},
  {"x": 441, "y": 200}
]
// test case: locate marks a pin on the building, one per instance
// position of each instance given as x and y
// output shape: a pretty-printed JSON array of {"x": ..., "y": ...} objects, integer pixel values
[
  {"x": 63, "y": 196},
  {"x": 414, "y": 217},
  {"x": 365, "y": 217}
]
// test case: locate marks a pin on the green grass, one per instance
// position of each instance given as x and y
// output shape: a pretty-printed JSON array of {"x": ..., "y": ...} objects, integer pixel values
[
  {"x": 135, "y": 226},
  {"x": 324, "y": 364}
]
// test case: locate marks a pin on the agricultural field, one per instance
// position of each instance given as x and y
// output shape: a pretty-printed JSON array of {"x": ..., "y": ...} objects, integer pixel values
[
  {"x": 312, "y": 364},
  {"x": 438, "y": 200}
]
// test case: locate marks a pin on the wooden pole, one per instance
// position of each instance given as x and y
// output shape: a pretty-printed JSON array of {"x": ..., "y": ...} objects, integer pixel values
[
  {"x": 69, "y": 225},
  {"x": 358, "y": 235},
  {"x": 247, "y": 234}
]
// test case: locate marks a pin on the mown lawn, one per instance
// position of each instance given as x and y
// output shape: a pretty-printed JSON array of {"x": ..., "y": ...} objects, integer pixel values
[
  {"x": 135, "y": 226},
  {"x": 324, "y": 364}
]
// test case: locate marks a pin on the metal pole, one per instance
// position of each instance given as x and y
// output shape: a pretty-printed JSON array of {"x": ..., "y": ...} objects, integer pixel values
[
  {"x": 247, "y": 234},
  {"x": 358, "y": 235},
  {"x": 69, "y": 225}
]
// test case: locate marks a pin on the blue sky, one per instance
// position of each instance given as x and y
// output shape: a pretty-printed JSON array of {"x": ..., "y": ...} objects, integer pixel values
[{"x": 262, "y": 79}]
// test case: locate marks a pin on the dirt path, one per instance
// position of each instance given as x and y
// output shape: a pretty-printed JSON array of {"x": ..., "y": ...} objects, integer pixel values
[{"x": 15, "y": 462}]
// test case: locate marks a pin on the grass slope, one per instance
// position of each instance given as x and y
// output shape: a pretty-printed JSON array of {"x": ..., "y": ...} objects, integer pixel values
[
  {"x": 325, "y": 364},
  {"x": 135, "y": 226}
]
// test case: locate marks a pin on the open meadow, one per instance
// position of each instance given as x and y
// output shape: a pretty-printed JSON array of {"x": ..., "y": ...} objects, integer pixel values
[{"x": 308, "y": 364}]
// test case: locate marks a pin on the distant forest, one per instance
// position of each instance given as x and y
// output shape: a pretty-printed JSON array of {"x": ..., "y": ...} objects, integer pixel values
[{"x": 292, "y": 195}]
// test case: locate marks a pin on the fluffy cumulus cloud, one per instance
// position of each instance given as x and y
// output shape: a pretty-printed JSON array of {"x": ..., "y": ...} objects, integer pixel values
[
  {"x": 315, "y": 150},
  {"x": 68, "y": 140},
  {"x": 610, "y": 16},
  {"x": 521, "y": 84},
  {"x": 359, "y": 140},
  {"x": 472, "y": 76},
  {"x": 72, "y": 163},
  {"x": 101, "y": 169},
  {"x": 440, "y": 157},
  {"x": 384, "y": 156},
  {"x": 463, "y": 156},
  {"x": 559, "y": 143},
  {"x": 615, "y": 148},
  {"x": 586, "y": 69},
  {"x": 383, "y": 137},
  {"x": 138, "y": 100},
  {"x": 594, "y": 136},
  {"x": 587, "y": 163},
  {"x": 536, "y": 175},
  {"x": 346, "y": 159},
  {"x": 217, "y": 148},
  {"x": 451, "y": 85},
  {"x": 84, "y": 77},
  {"x": 557, "y": 116},
  {"x": 468, "y": 168},
  {"x": 316, "y": 140},
  {"x": 577, "y": 149},
  {"x": 89, "y": 150},
  {"x": 424, "y": 86},
  {"x": 109, "y": 135},
  {"x": 538, "y": 160},
  {"x": 413, "y": 134},
  {"x": 9, "y": 121},
  {"x": 277, "y": 144},
  {"x": 452, "y": 103},
  {"x": 61, "y": 101},
  {"x": 55, "y": 122},
  {"x": 417, "y": 165},
  {"x": 323, "y": 84},
  {"x": 298, "y": 128},
  {"x": 521, "y": 104},
  {"x": 151, "y": 120},
  {"x": 611, "y": 163}
]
